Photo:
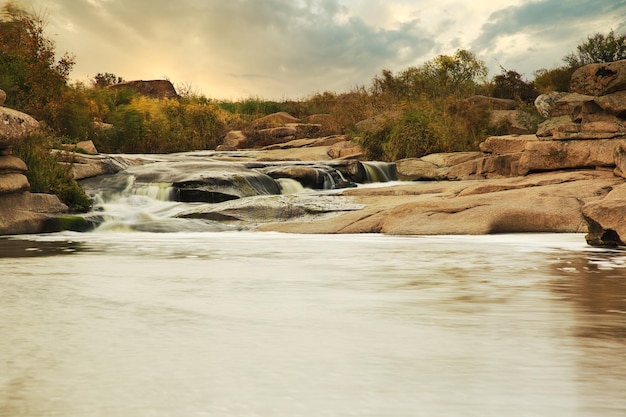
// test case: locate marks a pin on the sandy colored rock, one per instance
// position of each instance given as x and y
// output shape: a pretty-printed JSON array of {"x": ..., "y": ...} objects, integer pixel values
[
  {"x": 9, "y": 164},
  {"x": 14, "y": 127},
  {"x": 160, "y": 89},
  {"x": 506, "y": 144},
  {"x": 599, "y": 79},
  {"x": 557, "y": 155},
  {"x": 28, "y": 213},
  {"x": 13, "y": 183},
  {"x": 605, "y": 219},
  {"x": 548, "y": 202},
  {"x": 274, "y": 120},
  {"x": 614, "y": 104}
]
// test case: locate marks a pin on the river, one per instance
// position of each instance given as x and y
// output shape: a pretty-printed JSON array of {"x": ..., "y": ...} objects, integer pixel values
[{"x": 240, "y": 323}]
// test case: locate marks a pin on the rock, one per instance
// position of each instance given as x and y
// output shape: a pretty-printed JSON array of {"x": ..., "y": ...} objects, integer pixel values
[
  {"x": 614, "y": 104},
  {"x": 605, "y": 219},
  {"x": 500, "y": 145},
  {"x": 493, "y": 103},
  {"x": 15, "y": 126},
  {"x": 87, "y": 146},
  {"x": 545, "y": 102},
  {"x": 3, "y": 97},
  {"x": 86, "y": 166},
  {"x": 235, "y": 139},
  {"x": 13, "y": 183},
  {"x": 433, "y": 167},
  {"x": 599, "y": 79},
  {"x": 345, "y": 149},
  {"x": 416, "y": 169},
  {"x": 570, "y": 104},
  {"x": 548, "y": 202},
  {"x": 558, "y": 127},
  {"x": 12, "y": 164},
  {"x": 274, "y": 208},
  {"x": 509, "y": 117},
  {"x": 620, "y": 161},
  {"x": 24, "y": 213},
  {"x": 209, "y": 182},
  {"x": 319, "y": 177},
  {"x": 572, "y": 154},
  {"x": 160, "y": 89},
  {"x": 489, "y": 166},
  {"x": 274, "y": 120}
]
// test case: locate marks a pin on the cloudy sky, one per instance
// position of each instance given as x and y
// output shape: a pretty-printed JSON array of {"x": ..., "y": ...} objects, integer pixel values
[{"x": 290, "y": 49}]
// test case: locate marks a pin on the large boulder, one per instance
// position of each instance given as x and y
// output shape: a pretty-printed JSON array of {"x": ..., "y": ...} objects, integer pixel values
[
  {"x": 545, "y": 102},
  {"x": 571, "y": 154},
  {"x": 614, "y": 104},
  {"x": 274, "y": 120},
  {"x": 153, "y": 88},
  {"x": 15, "y": 126},
  {"x": 605, "y": 219},
  {"x": 599, "y": 79},
  {"x": 23, "y": 213}
]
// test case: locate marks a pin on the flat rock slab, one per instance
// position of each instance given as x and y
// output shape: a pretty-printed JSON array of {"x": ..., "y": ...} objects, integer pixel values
[{"x": 547, "y": 202}]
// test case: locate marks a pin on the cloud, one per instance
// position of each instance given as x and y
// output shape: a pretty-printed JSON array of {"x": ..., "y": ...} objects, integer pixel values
[
  {"x": 530, "y": 33},
  {"x": 294, "y": 48}
]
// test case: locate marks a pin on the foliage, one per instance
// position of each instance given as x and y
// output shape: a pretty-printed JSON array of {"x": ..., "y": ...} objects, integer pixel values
[
  {"x": 509, "y": 84},
  {"x": 29, "y": 71},
  {"x": 598, "y": 48},
  {"x": 46, "y": 175},
  {"x": 148, "y": 125},
  {"x": 105, "y": 79},
  {"x": 428, "y": 127},
  {"x": 555, "y": 79},
  {"x": 455, "y": 75},
  {"x": 529, "y": 117}
]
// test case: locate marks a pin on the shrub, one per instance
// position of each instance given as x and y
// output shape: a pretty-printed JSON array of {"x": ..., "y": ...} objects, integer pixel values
[
  {"x": 598, "y": 48},
  {"x": 148, "y": 125},
  {"x": 47, "y": 175},
  {"x": 555, "y": 79}
]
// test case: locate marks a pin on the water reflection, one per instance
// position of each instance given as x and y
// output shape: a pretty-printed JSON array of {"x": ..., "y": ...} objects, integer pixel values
[
  {"x": 21, "y": 248},
  {"x": 242, "y": 324}
]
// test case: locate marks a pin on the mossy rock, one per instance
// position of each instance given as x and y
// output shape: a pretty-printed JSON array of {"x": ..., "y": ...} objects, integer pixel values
[{"x": 68, "y": 223}]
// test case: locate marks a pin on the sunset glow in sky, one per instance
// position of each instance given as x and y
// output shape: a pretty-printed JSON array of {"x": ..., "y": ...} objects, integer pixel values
[{"x": 278, "y": 49}]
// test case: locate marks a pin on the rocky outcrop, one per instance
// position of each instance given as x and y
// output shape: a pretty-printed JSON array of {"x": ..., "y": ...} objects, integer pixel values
[
  {"x": 15, "y": 126},
  {"x": 544, "y": 202},
  {"x": 599, "y": 79},
  {"x": 21, "y": 211},
  {"x": 159, "y": 89}
]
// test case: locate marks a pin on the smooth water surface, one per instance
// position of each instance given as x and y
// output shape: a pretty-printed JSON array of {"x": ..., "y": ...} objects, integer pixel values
[{"x": 262, "y": 324}]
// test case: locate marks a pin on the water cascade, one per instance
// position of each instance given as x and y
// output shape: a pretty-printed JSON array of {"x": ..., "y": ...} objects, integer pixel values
[
  {"x": 290, "y": 186},
  {"x": 376, "y": 171}
]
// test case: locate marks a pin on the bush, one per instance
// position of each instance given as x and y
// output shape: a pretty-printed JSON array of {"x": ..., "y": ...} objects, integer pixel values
[
  {"x": 148, "y": 125},
  {"x": 47, "y": 175},
  {"x": 598, "y": 48}
]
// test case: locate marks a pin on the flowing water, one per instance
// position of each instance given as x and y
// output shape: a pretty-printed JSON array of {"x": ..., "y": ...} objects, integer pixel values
[{"x": 237, "y": 323}]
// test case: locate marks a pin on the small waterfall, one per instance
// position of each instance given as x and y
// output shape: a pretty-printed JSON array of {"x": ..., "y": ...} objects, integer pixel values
[
  {"x": 376, "y": 171},
  {"x": 156, "y": 191},
  {"x": 290, "y": 186}
]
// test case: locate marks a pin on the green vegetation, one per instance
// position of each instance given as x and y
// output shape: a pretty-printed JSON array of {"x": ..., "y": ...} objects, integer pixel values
[{"x": 417, "y": 111}]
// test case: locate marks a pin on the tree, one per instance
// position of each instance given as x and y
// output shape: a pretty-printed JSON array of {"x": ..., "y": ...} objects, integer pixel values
[
  {"x": 446, "y": 75},
  {"x": 510, "y": 85},
  {"x": 598, "y": 48},
  {"x": 29, "y": 71},
  {"x": 105, "y": 79}
]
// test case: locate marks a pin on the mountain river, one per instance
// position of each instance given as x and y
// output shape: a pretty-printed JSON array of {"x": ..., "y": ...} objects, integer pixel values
[{"x": 121, "y": 323}]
